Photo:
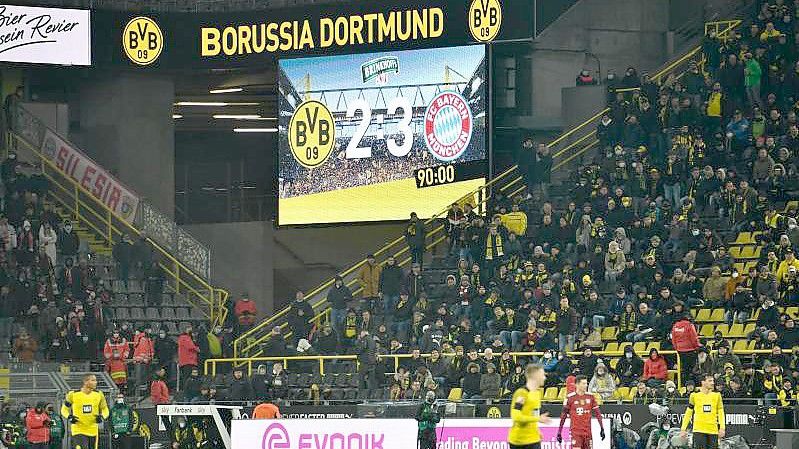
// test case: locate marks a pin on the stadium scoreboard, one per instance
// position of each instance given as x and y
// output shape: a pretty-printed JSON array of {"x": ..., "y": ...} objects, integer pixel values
[{"x": 376, "y": 136}]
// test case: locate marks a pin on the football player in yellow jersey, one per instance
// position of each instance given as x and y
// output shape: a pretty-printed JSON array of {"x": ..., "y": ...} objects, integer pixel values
[
  {"x": 707, "y": 410},
  {"x": 85, "y": 409},
  {"x": 525, "y": 411}
]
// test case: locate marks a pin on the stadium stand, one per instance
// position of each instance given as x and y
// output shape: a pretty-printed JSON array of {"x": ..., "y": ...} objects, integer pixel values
[
  {"x": 687, "y": 159},
  {"x": 682, "y": 210}
]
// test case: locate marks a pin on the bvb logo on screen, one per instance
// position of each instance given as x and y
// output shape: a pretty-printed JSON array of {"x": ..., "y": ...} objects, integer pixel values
[
  {"x": 142, "y": 40},
  {"x": 312, "y": 134},
  {"x": 485, "y": 18}
]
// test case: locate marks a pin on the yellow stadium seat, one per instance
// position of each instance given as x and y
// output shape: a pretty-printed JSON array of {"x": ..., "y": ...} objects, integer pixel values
[
  {"x": 748, "y": 329},
  {"x": 717, "y": 315},
  {"x": 652, "y": 345},
  {"x": 612, "y": 346},
  {"x": 455, "y": 394},
  {"x": 672, "y": 375},
  {"x": 621, "y": 393},
  {"x": 751, "y": 264},
  {"x": 791, "y": 205},
  {"x": 693, "y": 313},
  {"x": 744, "y": 238},
  {"x": 613, "y": 363},
  {"x": 755, "y": 315},
  {"x": 752, "y": 345},
  {"x": 739, "y": 267},
  {"x": 640, "y": 347},
  {"x": 609, "y": 333},
  {"x": 735, "y": 252},
  {"x": 562, "y": 394},
  {"x": 740, "y": 345},
  {"x": 724, "y": 329},
  {"x": 551, "y": 394},
  {"x": 736, "y": 331},
  {"x": 706, "y": 330},
  {"x": 792, "y": 311},
  {"x": 703, "y": 316}
]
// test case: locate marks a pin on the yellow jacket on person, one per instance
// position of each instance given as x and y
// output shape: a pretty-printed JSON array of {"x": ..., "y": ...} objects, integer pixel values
[
  {"x": 525, "y": 412},
  {"x": 516, "y": 222},
  {"x": 86, "y": 408}
]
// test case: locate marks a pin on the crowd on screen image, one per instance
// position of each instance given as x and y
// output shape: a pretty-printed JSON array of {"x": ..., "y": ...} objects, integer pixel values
[
  {"x": 684, "y": 166},
  {"x": 341, "y": 173}
]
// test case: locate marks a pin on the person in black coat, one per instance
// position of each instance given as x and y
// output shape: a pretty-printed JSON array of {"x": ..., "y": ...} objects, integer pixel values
[
  {"x": 630, "y": 367},
  {"x": 166, "y": 350},
  {"x": 390, "y": 285},
  {"x": 338, "y": 296},
  {"x": 414, "y": 237},
  {"x": 260, "y": 383},
  {"x": 471, "y": 382},
  {"x": 68, "y": 242},
  {"x": 123, "y": 256},
  {"x": 240, "y": 388},
  {"x": 299, "y": 316}
]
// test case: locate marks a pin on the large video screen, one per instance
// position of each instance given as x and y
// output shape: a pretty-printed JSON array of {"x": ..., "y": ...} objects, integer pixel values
[{"x": 376, "y": 136}]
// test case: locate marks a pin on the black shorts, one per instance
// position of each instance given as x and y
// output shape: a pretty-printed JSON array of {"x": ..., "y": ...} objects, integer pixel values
[
  {"x": 83, "y": 442},
  {"x": 705, "y": 441},
  {"x": 525, "y": 446}
]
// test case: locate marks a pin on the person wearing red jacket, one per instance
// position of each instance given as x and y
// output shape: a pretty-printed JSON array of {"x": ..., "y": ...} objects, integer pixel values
[
  {"x": 116, "y": 343},
  {"x": 143, "y": 354},
  {"x": 188, "y": 353},
  {"x": 685, "y": 341},
  {"x": 37, "y": 424},
  {"x": 245, "y": 311},
  {"x": 655, "y": 370},
  {"x": 159, "y": 392}
]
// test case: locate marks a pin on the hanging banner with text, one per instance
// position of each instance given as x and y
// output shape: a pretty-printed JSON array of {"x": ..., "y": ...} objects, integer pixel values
[
  {"x": 45, "y": 35},
  {"x": 91, "y": 176},
  {"x": 254, "y": 38}
]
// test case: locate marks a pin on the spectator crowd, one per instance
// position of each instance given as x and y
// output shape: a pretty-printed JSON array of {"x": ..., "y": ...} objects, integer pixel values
[{"x": 684, "y": 164}]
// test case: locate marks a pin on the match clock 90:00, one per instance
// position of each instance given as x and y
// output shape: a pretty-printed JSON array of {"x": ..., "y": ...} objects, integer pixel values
[{"x": 435, "y": 176}]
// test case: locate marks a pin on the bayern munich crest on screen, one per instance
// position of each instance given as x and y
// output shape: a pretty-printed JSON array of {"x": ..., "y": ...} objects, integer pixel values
[{"x": 448, "y": 126}]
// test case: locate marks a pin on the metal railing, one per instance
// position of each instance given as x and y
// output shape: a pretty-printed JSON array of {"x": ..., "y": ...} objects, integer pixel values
[
  {"x": 566, "y": 148},
  {"x": 85, "y": 208},
  {"x": 211, "y": 365}
]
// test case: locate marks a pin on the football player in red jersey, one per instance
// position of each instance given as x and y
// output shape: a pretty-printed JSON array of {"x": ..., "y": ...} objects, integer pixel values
[{"x": 580, "y": 406}]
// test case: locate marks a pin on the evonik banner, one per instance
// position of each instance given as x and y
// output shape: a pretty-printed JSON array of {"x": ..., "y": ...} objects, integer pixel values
[{"x": 324, "y": 434}]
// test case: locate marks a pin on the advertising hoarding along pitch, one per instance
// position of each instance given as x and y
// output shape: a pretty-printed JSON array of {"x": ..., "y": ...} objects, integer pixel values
[
  {"x": 324, "y": 434},
  {"x": 45, "y": 35},
  {"x": 392, "y": 434}
]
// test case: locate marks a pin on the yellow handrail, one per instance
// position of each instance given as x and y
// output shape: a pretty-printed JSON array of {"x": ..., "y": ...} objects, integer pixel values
[
  {"x": 105, "y": 215},
  {"x": 729, "y": 25},
  {"x": 210, "y": 365},
  {"x": 466, "y": 198}
]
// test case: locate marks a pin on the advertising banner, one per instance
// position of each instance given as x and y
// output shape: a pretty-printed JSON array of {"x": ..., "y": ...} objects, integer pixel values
[
  {"x": 45, "y": 35},
  {"x": 91, "y": 176},
  {"x": 254, "y": 38},
  {"x": 493, "y": 434},
  {"x": 324, "y": 434}
]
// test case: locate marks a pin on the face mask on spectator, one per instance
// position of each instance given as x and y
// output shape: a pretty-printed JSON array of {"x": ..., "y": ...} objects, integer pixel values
[{"x": 162, "y": 334}]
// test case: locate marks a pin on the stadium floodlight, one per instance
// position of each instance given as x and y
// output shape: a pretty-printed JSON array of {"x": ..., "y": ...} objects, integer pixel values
[
  {"x": 240, "y": 117},
  {"x": 254, "y": 130},
  {"x": 225, "y": 90},
  {"x": 212, "y": 103},
  {"x": 177, "y": 116}
]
